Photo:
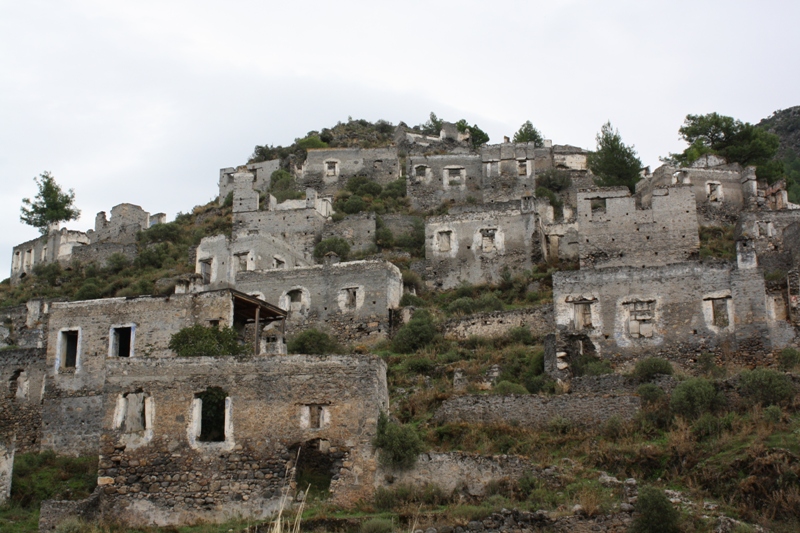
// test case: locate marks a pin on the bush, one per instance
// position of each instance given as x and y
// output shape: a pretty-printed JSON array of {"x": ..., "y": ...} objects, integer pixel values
[
  {"x": 334, "y": 244},
  {"x": 199, "y": 340},
  {"x": 399, "y": 445},
  {"x": 788, "y": 359},
  {"x": 353, "y": 205},
  {"x": 228, "y": 201},
  {"x": 555, "y": 180},
  {"x": 117, "y": 262},
  {"x": 773, "y": 414},
  {"x": 409, "y": 299},
  {"x": 504, "y": 388},
  {"x": 693, "y": 397},
  {"x": 313, "y": 342},
  {"x": 765, "y": 387},
  {"x": 709, "y": 425},
  {"x": 419, "y": 365},
  {"x": 655, "y": 513},
  {"x": 647, "y": 369},
  {"x": 521, "y": 335},
  {"x": 650, "y": 394},
  {"x": 419, "y": 331},
  {"x": 589, "y": 365},
  {"x": 377, "y": 525},
  {"x": 613, "y": 428}
]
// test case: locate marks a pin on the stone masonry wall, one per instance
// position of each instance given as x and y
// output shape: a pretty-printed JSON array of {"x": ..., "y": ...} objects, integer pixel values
[
  {"x": 475, "y": 247},
  {"x": 497, "y": 323},
  {"x": 358, "y": 230},
  {"x": 162, "y": 474},
  {"x": 537, "y": 411},
  {"x": 436, "y": 179},
  {"x": 378, "y": 164},
  {"x": 22, "y": 374}
]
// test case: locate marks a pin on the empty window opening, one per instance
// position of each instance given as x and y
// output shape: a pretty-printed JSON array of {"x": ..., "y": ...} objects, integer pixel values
[
  {"x": 316, "y": 466},
  {"x": 377, "y": 164},
  {"x": 714, "y": 191},
  {"x": 351, "y": 297},
  {"x": 295, "y": 296},
  {"x": 583, "y": 315},
  {"x": 241, "y": 261},
  {"x": 134, "y": 412},
  {"x": 598, "y": 205},
  {"x": 28, "y": 259},
  {"x": 642, "y": 314},
  {"x": 205, "y": 271},
  {"x": 278, "y": 263},
  {"x": 719, "y": 311},
  {"x": 444, "y": 238},
  {"x": 18, "y": 384},
  {"x": 121, "y": 341},
  {"x": 331, "y": 168},
  {"x": 765, "y": 229},
  {"x": 315, "y": 416},
  {"x": 212, "y": 415},
  {"x": 69, "y": 348},
  {"x": 522, "y": 168},
  {"x": 488, "y": 239},
  {"x": 453, "y": 172}
]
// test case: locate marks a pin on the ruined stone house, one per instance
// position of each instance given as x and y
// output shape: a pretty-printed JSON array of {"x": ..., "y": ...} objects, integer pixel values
[
  {"x": 327, "y": 169},
  {"x": 55, "y": 247},
  {"x": 262, "y": 175}
]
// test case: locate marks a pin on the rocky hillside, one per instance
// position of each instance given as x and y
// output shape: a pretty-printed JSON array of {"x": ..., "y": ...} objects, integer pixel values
[{"x": 786, "y": 125}]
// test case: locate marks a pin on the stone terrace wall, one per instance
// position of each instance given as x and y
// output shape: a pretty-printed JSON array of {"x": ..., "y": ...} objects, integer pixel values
[
  {"x": 536, "y": 410},
  {"x": 22, "y": 374},
  {"x": 460, "y": 470},
  {"x": 497, "y": 323},
  {"x": 164, "y": 475}
]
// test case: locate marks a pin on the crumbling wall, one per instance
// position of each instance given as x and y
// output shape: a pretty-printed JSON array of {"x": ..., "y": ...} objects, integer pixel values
[
  {"x": 614, "y": 232},
  {"x": 172, "y": 478},
  {"x": 508, "y": 171},
  {"x": 353, "y": 300},
  {"x": 765, "y": 229},
  {"x": 57, "y": 246},
  {"x": 539, "y": 320},
  {"x": 450, "y": 178},
  {"x": 358, "y": 230},
  {"x": 536, "y": 410},
  {"x": 476, "y": 246},
  {"x": 6, "y": 468},
  {"x": 262, "y": 173},
  {"x": 100, "y": 252},
  {"x": 126, "y": 221},
  {"x": 22, "y": 375},
  {"x": 461, "y": 471},
  {"x": 328, "y": 169}
]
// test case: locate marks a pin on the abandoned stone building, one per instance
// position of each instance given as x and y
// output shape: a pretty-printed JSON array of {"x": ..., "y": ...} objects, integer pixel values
[
  {"x": 475, "y": 244},
  {"x": 84, "y": 336},
  {"x": 262, "y": 174},
  {"x": 641, "y": 290},
  {"x": 117, "y": 235},
  {"x": 355, "y": 301},
  {"x": 57, "y": 246},
  {"x": 213, "y": 438},
  {"x": 328, "y": 169}
]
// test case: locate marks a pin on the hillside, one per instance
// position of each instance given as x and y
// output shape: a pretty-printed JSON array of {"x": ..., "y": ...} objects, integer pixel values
[{"x": 786, "y": 125}]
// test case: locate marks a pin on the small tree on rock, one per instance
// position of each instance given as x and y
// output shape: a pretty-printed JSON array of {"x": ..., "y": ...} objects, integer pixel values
[
  {"x": 614, "y": 163},
  {"x": 50, "y": 206},
  {"x": 528, "y": 134}
]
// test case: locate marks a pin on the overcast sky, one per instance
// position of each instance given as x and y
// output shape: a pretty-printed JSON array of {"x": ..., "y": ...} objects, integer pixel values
[{"x": 145, "y": 101}]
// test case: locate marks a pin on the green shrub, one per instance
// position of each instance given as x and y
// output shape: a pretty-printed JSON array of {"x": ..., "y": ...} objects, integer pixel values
[
  {"x": 650, "y": 394},
  {"x": 413, "y": 280},
  {"x": 693, "y": 397},
  {"x": 765, "y": 387},
  {"x": 560, "y": 425},
  {"x": 419, "y": 331},
  {"x": 313, "y": 342},
  {"x": 504, "y": 388},
  {"x": 117, "y": 262},
  {"x": 228, "y": 201},
  {"x": 199, "y": 340},
  {"x": 353, "y": 205},
  {"x": 384, "y": 238},
  {"x": 377, "y": 525},
  {"x": 655, "y": 513},
  {"x": 73, "y": 524},
  {"x": 773, "y": 414},
  {"x": 49, "y": 272},
  {"x": 788, "y": 359},
  {"x": 614, "y": 428},
  {"x": 409, "y": 299},
  {"x": 647, "y": 369},
  {"x": 399, "y": 445},
  {"x": 334, "y": 244},
  {"x": 555, "y": 180},
  {"x": 419, "y": 365},
  {"x": 89, "y": 290},
  {"x": 709, "y": 425},
  {"x": 589, "y": 365},
  {"x": 46, "y": 476},
  {"x": 521, "y": 335}
]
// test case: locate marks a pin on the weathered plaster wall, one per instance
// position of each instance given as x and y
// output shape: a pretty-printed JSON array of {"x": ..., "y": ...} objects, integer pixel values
[
  {"x": 614, "y": 232},
  {"x": 353, "y": 300},
  {"x": 476, "y": 246},
  {"x": 170, "y": 477},
  {"x": 508, "y": 171},
  {"x": 358, "y": 230}
]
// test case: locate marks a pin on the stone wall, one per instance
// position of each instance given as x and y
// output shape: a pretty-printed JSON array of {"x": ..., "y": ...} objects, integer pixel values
[
  {"x": 262, "y": 172},
  {"x": 497, "y": 323},
  {"x": 614, "y": 232},
  {"x": 126, "y": 221},
  {"x": 765, "y": 229},
  {"x": 460, "y": 471},
  {"x": 508, "y": 171},
  {"x": 352, "y": 300},
  {"x": 327, "y": 170},
  {"x": 358, "y": 230},
  {"x": 475, "y": 247},
  {"x": 437, "y": 179},
  {"x": 22, "y": 375},
  {"x": 100, "y": 252},
  {"x": 53, "y": 512},
  {"x": 56, "y": 246},
  {"x": 162, "y": 473},
  {"x": 6, "y": 468},
  {"x": 536, "y": 410}
]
